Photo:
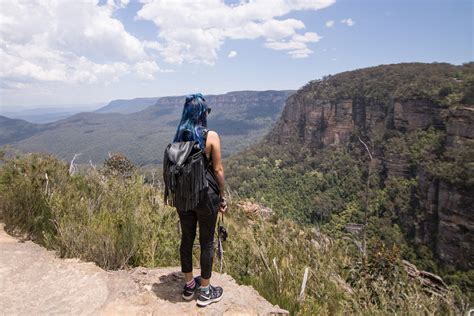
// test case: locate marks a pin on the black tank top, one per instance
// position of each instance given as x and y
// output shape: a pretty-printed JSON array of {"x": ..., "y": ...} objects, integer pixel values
[{"x": 210, "y": 175}]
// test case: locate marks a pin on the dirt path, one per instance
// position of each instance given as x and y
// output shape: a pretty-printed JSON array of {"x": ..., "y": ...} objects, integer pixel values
[{"x": 33, "y": 281}]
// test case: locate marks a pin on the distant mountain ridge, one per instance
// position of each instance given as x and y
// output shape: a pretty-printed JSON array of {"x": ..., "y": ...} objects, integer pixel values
[
  {"x": 12, "y": 130},
  {"x": 124, "y": 106},
  {"x": 240, "y": 117},
  {"x": 127, "y": 106}
]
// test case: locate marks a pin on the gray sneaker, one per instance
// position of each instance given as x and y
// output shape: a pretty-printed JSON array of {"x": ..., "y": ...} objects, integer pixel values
[
  {"x": 214, "y": 295},
  {"x": 188, "y": 292}
]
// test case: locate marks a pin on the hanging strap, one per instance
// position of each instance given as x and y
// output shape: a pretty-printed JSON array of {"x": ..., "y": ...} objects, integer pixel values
[
  {"x": 222, "y": 217},
  {"x": 220, "y": 248}
]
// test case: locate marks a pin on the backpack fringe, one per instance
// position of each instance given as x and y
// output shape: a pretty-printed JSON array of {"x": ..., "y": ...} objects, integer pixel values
[{"x": 184, "y": 186}]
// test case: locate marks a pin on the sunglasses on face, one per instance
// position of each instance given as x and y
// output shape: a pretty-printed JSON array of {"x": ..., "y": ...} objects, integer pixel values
[{"x": 208, "y": 110}]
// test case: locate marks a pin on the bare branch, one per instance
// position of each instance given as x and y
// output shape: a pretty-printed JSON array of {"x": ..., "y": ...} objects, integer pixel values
[
  {"x": 47, "y": 183},
  {"x": 366, "y": 147},
  {"x": 303, "y": 284},
  {"x": 276, "y": 266},
  {"x": 263, "y": 259},
  {"x": 72, "y": 167},
  {"x": 92, "y": 165}
]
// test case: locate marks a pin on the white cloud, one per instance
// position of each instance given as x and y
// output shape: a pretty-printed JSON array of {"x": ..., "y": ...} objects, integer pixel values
[
  {"x": 232, "y": 54},
  {"x": 348, "y": 22},
  {"x": 300, "y": 53},
  {"x": 77, "y": 42},
  {"x": 296, "y": 46},
  {"x": 307, "y": 37},
  {"x": 115, "y": 4},
  {"x": 152, "y": 45},
  {"x": 146, "y": 69},
  {"x": 68, "y": 41},
  {"x": 194, "y": 31},
  {"x": 329, "y": 23}
]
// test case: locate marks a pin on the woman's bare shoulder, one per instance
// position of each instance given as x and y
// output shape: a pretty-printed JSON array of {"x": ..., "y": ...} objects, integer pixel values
[{"x": 212, "y": 135}]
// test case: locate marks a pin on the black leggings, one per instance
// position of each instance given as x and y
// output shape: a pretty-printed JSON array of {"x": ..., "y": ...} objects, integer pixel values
[{"x": 206, "y": 215}]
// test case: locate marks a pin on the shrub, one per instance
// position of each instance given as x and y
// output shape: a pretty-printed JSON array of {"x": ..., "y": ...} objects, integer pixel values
[
  {"x": 118, "y": 164},
  {"x": 25, "y": 184}
]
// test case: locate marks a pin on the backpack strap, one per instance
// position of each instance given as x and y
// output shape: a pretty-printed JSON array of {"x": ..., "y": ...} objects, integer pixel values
[{"x": 208, "y": 160}]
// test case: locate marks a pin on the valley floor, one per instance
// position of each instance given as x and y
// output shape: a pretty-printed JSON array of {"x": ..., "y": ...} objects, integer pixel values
[{"x": 35, "y": 281}]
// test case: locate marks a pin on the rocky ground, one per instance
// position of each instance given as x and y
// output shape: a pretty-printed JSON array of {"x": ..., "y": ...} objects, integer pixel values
[{"x": 34, "y": 281}]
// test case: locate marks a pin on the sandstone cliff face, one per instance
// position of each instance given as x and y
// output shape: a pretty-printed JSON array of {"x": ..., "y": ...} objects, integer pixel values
[
  {"x": 449, "y": 225},
  {"x": 445, "y": 219},
  {"x": 321, "y": 122}
]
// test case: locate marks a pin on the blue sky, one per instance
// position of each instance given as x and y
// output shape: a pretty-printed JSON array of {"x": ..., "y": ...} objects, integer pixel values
[{"x": 122, "y": 49}]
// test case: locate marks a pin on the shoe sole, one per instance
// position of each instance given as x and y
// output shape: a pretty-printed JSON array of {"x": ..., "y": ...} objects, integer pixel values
[
  {"x": 203, "y": 304},
  {"x": 198, "y": 284},
  {"x": 188, "y": 298}
]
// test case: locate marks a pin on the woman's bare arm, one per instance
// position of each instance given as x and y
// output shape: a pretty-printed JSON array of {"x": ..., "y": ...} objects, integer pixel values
[{"x": 214, "y": 139}]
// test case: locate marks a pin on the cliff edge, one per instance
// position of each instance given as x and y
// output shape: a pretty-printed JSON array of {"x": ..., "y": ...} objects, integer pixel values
[{"x": 35, "y": 281}]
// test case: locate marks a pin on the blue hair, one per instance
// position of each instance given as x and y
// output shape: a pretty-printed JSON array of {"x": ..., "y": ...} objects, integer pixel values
[{"x": 193, "y": 120}]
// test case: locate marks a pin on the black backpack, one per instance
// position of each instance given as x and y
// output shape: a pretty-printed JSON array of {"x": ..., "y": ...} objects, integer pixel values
[{"x": 184, "y": 174}]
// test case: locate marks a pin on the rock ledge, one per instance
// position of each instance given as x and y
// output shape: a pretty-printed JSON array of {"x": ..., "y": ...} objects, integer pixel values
[{"x": 35, "y": 281}]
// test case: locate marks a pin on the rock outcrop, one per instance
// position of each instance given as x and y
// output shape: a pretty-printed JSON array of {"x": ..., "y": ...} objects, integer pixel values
[
  {"x": 313, "y": 120},
  {"x": 256, "y": 209},
  {"x": 34, "y": 281}
]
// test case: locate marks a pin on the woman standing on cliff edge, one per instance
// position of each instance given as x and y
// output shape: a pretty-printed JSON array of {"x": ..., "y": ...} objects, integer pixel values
[{"x": 193, "y": 127}]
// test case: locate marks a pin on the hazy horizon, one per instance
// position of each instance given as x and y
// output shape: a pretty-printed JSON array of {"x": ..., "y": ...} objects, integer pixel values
[
  {"x": 98, "y": 104},
  {"x": 16, "y": 108}
]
